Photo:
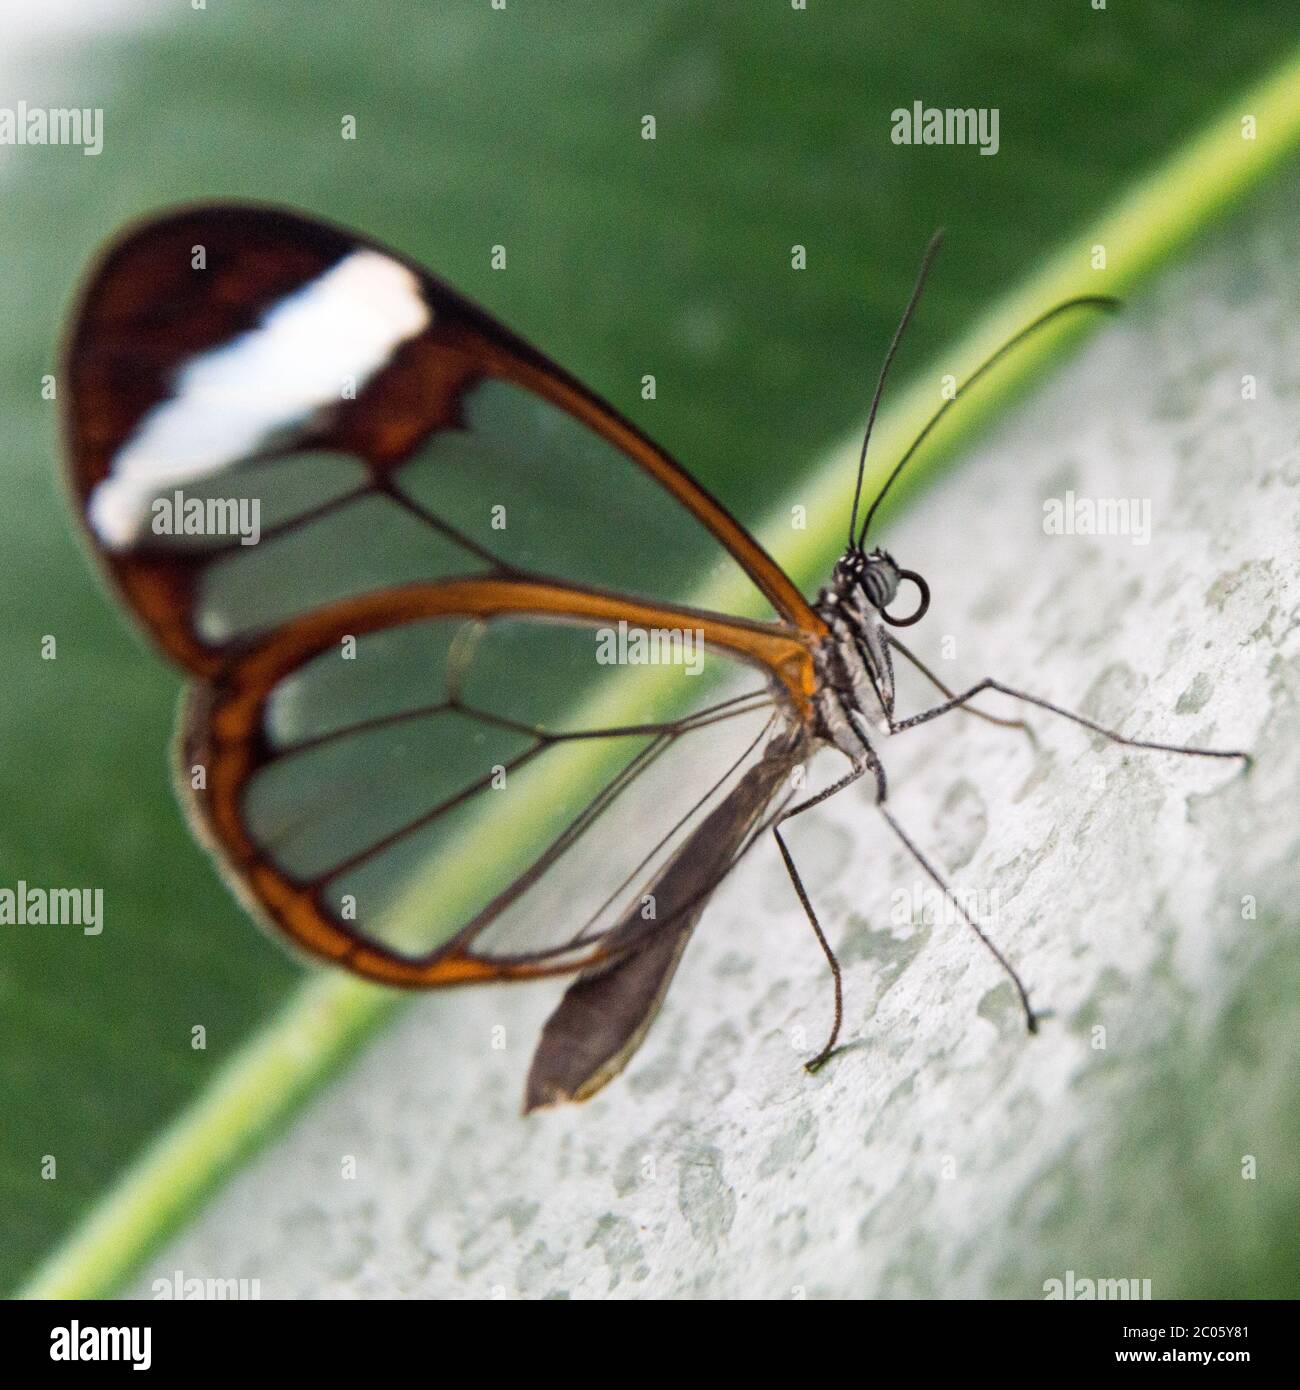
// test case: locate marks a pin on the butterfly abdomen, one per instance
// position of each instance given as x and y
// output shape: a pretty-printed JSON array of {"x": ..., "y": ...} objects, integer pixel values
[{"x": 608, "y": 1010}]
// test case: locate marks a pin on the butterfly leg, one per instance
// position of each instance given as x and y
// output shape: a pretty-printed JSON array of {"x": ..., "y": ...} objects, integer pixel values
[
  {"x": 859, "y": 769},
  {"x": 957, "y": 701},
  {"x": 870, "y": 763},
  {"x": 1031, "y": 1021},
  {"x": 952, "y": 694}
]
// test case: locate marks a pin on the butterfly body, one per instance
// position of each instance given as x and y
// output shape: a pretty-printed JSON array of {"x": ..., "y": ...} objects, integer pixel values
[{"x": 856, "y": 672}]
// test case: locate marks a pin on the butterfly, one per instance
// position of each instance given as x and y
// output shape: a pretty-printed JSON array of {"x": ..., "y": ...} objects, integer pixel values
[{"x": 457, "y": 713}]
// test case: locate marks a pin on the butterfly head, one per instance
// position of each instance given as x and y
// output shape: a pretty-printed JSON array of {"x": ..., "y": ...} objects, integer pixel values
[{"x": 876, "y": 576}]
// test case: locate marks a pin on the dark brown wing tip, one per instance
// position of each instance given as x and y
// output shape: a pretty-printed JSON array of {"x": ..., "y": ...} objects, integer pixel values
[{"x": 542, "y": 1095}]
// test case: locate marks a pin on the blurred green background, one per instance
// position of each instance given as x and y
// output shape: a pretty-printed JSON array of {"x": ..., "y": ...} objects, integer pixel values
[{"x": 476, "y": 127}]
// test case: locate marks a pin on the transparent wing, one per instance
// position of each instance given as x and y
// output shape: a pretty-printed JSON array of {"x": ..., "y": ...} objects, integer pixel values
[{"x": 340, "y": 763}]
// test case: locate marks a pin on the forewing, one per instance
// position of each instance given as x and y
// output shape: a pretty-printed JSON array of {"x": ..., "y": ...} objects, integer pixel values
[{"x": 267, "y": 415}]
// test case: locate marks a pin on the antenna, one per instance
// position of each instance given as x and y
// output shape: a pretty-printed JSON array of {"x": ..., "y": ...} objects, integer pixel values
[
  {"x": 930, "y": 252},
  {"x": 1083, "y": 301}
]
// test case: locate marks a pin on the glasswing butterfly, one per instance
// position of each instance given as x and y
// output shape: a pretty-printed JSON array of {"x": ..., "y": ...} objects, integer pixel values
[{"x": 460, "y": 627}]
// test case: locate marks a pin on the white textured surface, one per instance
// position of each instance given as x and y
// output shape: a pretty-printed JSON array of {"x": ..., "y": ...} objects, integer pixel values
[{"x": 942, "y": 1152}]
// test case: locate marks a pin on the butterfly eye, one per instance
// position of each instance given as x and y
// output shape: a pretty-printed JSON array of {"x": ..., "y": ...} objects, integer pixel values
[{"x": 878, "y": 579}]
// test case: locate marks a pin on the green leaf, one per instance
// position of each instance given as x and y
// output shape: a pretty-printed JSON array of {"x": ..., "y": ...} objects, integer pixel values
[{"x": 520, "y": 127}]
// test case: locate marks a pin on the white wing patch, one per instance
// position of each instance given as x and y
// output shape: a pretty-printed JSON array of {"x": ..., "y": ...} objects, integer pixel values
[{"x": 342, "y": 327}]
